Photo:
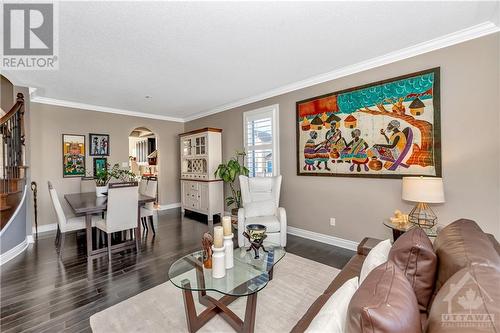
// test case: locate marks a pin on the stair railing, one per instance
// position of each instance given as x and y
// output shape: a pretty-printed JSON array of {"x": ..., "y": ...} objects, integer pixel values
[{"x": 12, "y": 148}]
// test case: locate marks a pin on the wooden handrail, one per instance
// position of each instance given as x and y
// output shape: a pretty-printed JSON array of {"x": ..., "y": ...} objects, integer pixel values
[{"x": 18, "y": 106}]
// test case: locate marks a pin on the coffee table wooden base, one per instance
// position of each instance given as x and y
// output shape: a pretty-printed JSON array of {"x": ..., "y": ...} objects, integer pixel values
[{"x": 214, "y": 307}]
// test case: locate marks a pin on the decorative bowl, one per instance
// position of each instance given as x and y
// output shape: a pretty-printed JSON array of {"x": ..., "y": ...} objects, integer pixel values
[{"x": 256, "y": 231}]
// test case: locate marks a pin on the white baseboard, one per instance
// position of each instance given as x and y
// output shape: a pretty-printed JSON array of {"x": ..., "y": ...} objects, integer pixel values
[
  {"x": 30, "y": 239},
  {"x": 45, "y": 227},
  {"x": 327, "y": 239},
  {"x": 169, "y": 206},
  {"x": 12, "y": 253}
]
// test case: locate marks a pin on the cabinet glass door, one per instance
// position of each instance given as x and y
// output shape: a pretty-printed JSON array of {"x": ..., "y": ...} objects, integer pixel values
[
  {"x": 186, "y": 147},
  {"x": 198, "y": 146},
  {"x": 203, "y": 150}
]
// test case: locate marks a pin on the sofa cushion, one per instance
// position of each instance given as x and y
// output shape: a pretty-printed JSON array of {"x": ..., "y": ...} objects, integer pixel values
[
  {"x": 271, "y": 222},
  {"x": 260, "y": 208},
  {"x": 466, "y": 301},
  {"x": 412, "y": 252},
  {"x": 332, "y": 316},
  {"x": 377, "y": 256},
  {"x": 461, "y": 244},
  {"x": 350, "y": 270},
  {"x": 384, "y": 302}
]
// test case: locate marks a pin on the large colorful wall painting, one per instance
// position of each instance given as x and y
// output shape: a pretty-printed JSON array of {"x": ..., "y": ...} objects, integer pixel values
[
  {"x": 73, "y": 155},
  {"x": 387, "y": 129}
]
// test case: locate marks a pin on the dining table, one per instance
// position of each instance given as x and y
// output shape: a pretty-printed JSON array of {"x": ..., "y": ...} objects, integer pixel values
[{"x": 89, "y": 203}]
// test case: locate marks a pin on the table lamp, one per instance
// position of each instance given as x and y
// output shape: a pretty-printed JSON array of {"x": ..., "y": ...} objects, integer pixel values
[{"x": 423, "y": 191}]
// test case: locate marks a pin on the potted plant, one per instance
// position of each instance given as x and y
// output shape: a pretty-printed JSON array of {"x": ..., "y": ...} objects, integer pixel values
[
  {"x": 104, "y": 175},
  {"x": 229, "y": 173}
]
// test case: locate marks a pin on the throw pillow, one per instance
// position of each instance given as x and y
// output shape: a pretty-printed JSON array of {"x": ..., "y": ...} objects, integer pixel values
[
  {"x": 413, "y": 253},
  {"x": 377, "y": 256},
  {"x": 384, "y": 302},
  {"x": 332, "y": 316},
  {"x": 260, "y": 208}
]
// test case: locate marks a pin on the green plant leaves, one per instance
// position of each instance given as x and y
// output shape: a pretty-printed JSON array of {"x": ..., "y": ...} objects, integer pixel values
[{"x": 229, "y": 173}]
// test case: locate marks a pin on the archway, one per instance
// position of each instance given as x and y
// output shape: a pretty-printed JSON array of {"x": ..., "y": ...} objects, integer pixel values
[{"x": 143, "y": 153}]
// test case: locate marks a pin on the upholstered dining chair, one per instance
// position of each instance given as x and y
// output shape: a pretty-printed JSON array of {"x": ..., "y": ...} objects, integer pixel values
[
  {"x": 260, "y": 198},
  {"x": 65, "y": 222},
  {"x": 143, "y": 184},
  {"x": 148, "y": 211},
  {"x": 87, "y": 184},
  {"x": 121, "y": 215}
]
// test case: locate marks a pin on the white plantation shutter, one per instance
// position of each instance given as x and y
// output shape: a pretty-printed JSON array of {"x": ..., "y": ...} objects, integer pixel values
[{"x": 261, "y": 141}]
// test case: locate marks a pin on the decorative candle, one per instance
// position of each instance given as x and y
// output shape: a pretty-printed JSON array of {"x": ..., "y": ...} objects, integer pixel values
[
  {"x": 218, "y": 237},
  {"x": 228, "y": 245},
  {"x": 226, "y": 225}
]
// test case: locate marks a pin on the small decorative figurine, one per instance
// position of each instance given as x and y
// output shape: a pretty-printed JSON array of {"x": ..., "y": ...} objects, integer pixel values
[
  {"x": 256, "y": 234},
  {"x": 207, "y": 242},
  {"x": 399, "y": 218}
]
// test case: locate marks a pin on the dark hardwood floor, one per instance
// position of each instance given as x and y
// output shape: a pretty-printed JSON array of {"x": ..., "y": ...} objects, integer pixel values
[{"x": 40, "y": 293}]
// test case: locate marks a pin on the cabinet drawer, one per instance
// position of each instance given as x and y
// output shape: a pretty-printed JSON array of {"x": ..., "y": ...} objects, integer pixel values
[{"x": 192, "y": 203}]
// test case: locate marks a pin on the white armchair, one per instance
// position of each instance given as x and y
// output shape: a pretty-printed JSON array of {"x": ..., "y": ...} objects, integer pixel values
[{"x": 260, "y": 198}]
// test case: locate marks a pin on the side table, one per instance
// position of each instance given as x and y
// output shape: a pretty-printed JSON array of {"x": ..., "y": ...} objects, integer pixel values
[{"x": 399, "y": 229}]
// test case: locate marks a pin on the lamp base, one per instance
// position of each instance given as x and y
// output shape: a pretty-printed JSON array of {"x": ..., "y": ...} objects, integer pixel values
[{"x": 423, "y": 216}]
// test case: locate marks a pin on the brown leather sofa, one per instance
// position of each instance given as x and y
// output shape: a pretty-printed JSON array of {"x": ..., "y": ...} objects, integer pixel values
[{"x": 468, "y": 260}]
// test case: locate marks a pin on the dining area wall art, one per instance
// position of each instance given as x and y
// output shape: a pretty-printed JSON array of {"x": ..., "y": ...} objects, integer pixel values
[
  {"x": 73, "y": 149},
  {"x": 99, "y": 144}
]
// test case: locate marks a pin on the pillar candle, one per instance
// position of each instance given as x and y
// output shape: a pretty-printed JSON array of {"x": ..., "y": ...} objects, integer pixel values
[
  {"x": 218, "y": 237},
  {"x": 226, "y": 225}
]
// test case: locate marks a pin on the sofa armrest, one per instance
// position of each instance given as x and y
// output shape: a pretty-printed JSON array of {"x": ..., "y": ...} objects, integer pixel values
[
  {"x": 241, "y": 227},
  {"x": 365, "y": 246}
]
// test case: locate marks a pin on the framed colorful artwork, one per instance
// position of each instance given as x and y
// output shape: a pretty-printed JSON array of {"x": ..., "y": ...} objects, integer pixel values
[
  {"x": 99, "y": 144},
  {"x": 73, "y": 155},
  {"x": 99, "y": 164},
  {"x": 386, "y": 129}
]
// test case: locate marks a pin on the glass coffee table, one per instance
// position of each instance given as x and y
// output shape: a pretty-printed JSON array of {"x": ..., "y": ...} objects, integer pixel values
[{"x": 246, "y": 278}]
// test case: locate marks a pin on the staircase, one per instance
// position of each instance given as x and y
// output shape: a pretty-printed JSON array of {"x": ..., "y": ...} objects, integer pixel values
[{"x": 12, "y": 168}]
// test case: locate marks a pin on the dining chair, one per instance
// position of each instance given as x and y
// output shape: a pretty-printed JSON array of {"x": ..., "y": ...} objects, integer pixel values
[
  {"x": 143, "y": 184},
  {"x": 148, "y": 211},
  {"x": 122, "y": 209},
  {"x": 87, "y": 184},
  {"x": 65, "y": 222}
]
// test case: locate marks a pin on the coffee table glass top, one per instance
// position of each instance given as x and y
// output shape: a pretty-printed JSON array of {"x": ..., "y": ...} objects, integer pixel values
[{"x": 248, "y": 276}]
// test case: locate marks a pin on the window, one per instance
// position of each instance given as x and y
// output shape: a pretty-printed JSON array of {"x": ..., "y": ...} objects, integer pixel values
[{"x": 261, "y": 138}]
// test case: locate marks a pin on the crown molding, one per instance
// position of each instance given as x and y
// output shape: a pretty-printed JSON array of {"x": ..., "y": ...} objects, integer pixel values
[
  {"x": 99, "y": 108},
  {"x": 457, "y": 37}
]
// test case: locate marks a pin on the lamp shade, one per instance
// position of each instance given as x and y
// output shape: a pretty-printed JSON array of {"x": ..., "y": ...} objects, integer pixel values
[{"x": 423, "y": 189}]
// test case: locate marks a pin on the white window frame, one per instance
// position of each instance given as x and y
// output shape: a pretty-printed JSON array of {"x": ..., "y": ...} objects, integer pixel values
[{"x": 273, "y": 111}]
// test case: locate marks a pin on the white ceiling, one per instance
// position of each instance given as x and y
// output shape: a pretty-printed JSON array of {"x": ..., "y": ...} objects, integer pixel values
[{"x": 194, "y": 57}]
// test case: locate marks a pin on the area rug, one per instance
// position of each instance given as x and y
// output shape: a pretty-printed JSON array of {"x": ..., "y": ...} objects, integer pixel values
[{"x": 297, "y": 282}]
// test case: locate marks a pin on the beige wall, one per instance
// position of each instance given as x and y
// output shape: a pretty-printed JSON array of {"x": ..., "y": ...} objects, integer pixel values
[
  {"x": 6, "y": 94},
  {"x": 50, "y": 122},
  {"x": 470, "y": 148}
]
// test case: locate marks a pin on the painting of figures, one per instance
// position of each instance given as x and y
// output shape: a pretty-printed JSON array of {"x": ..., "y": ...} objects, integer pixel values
[
  {"x": 387, "y": 129},
  {"x": 73, "y": 155},
  {"x": 99, "y": 144}
]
